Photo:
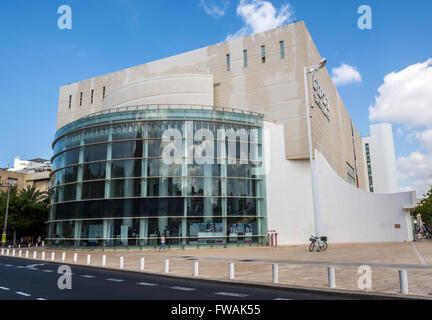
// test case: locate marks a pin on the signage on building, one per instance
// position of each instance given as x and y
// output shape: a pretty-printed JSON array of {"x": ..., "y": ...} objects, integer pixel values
[{"x": 320, "y": 97}]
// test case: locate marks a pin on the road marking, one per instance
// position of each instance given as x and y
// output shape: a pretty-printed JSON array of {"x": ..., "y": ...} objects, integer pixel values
[
  {"x": 182, "y": 288},
  {"x": 4, "y": 288},
  {"x": 8, "y": 265},
  {"x": 419, "y": 256},
  {"x": 88, "y": 276},
  {"x": 231, "y": 294},
  {"x": 40, "y": 299},
  {"x": 23, "y": 294},
  {"x": 115, "y": 280},
  {"x": 281, "y": 299},
  {"x": 147, "y": 284},
  {"x": 48, "y": 270},
  {"x": 20, "y": 267}
]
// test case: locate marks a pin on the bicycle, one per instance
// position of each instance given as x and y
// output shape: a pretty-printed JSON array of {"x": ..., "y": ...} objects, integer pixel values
[{"x": 318, "y": 244}]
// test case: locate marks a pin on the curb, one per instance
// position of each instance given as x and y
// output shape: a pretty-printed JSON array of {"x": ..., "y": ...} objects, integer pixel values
[{"x": 273, "y": 286}]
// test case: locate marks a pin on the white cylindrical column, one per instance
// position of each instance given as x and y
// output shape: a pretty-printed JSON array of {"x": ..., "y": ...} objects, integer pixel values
[
  {"x": 121, "y": 262},
  {"x": 89, "y": 259},
  {"x": 7, "y": 252},
  {"x": 275, "y": 273},
  {"x": 34, "y": 254},
  {"x": 27, "y": 253},
  {"x": 2, "y": 252},
  {"x": 43, "y": 255},
  {"x": 196, "y": 269},
  {"x": 231, "y": 271},
  {"x": 142, "y": 264},
  {"x": 166, "y": 269},
  {"x": 103, "y": 260},
  {"x": 20, "y": 253},
  {"x": 52, "y": 256},
  {"x": 13, "y": 252},
  {"x": 331, "y": 277},
  {"x": 63, "y": 256},
  {"x": 75, "y": 258},
  {"x": 403, "y": 279}
]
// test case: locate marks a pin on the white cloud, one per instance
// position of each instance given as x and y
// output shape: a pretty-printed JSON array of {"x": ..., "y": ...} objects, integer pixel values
[
  {"x": 345, "y": 74},
  {"x": 259, "y": 16},
  {"x": 425, "y": 138},
  {"x": 417, "y": 169},
  {"x": 214, "y": 10},
  {"x": 405, "y": 96}
]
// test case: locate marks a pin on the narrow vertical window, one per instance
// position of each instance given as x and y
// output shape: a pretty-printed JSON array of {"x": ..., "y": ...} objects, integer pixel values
[
  {"x": 263, "y": 54},
  {"x": 92, "y": 94},
  {"x": 70, "y": 101},
  {"x": 245, "y": 58},
  {"x": 282, "y": 50},
  {"x": 103, "y": 93},
  {"x": 228, "y": 62},
  {"x": 80, "y": 99}
]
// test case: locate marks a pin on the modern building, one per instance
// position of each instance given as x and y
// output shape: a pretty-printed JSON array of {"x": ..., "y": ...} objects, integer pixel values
[
  {"x": 212, "y": 148},
  {"x": 380, "y": 165}
]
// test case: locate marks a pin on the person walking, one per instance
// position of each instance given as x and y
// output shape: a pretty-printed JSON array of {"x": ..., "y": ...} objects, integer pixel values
[{"x": 163, "y": 242}]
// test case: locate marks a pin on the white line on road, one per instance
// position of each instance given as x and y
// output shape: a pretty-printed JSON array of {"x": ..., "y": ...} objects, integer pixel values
[
  {"x": 419, "y": 256},
  {"x": 115, "y": 280},
  {"x": 147, "y": 284},
  {"x": 281, "y": 299},
  {"x": 4, "y": 288},
  {"x": 48, "y": 270},
  {"x": 231, "y": 294},
  {"x": 41, "y": 299},
  {"x": 8, "y": 265},
  {"x": 23, "y": 294},
  {"x": 182, "y": 288},
  {"x": 88, "y": 276}
]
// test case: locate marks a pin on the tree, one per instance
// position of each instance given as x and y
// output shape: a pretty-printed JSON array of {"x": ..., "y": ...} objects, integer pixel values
[
  {"x": 425, "y": 208},
  {"x": 28, "y": 212}
]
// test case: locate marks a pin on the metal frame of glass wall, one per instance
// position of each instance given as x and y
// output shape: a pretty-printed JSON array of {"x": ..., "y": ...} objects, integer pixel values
[{"x": 112, "y": 188}]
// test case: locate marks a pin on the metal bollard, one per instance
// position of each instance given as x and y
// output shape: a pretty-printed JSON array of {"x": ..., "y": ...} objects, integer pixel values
[
  {"x": 43, "y": 255},
  {"x": 331, "y": 278},
  {"x": 20, "y": 253},
  {"x": 34, "y": 254},
  {"x": 142, "y": 264},
  {"x": 166, "y": 266},
  {"x": 88, "y": 259},
  {"x": 52, "y": 256},
  {"x": 231, "y": 271},
  {"x": 7, "y": 252},
  {"x": 75, "y": 258},
  {"x": 2, "y": 252},
  {"x": 403, "y": 279},
  {"x": 195, "y": 269},
  {"x": 13, "y": 252},
  {"x": 275, "y": 273},
  {"x": 103, "y": 260},
  {"x": 27, "y": 253},
  {"x": 63, "y": 256},
  {"x": 121, "y": 262}
]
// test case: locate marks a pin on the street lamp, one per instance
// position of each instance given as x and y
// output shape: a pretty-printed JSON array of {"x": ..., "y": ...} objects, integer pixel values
[
  {"x": 314, "y": 177},
  {"x": 6, "y": 216}
]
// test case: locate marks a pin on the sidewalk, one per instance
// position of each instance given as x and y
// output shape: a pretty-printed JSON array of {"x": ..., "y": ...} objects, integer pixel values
[{"x": 297, "y": 266}]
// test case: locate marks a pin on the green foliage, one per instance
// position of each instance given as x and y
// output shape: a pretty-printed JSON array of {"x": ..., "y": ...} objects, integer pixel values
[
  {"x": 28, "y": 212},
  {"x": 425, "y": 208}
]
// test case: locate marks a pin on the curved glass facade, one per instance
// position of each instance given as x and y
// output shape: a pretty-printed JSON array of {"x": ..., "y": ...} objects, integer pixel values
[{"x": 123, "y": 178}]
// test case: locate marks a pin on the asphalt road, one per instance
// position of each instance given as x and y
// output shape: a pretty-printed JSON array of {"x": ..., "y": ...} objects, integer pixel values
[{"x": 34, "y": 280}]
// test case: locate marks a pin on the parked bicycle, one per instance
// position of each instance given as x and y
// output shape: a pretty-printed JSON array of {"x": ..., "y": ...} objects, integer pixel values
[{"x": 318, "y": 244}]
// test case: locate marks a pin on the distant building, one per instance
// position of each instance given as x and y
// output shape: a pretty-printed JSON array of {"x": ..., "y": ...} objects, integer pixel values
[
  {"x": 380, "y": 159},
  {"x": 35, "y": 172}
]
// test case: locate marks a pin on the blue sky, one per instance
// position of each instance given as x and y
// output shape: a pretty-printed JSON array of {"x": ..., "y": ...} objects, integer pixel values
[{"x": 36, "y": 58}]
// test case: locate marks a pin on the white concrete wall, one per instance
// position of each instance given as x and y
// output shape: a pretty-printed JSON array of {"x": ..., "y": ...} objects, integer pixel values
[
  {"x": 348, "y": 214},
  {"x": 168, "y": 89},
  {"x": 383, "y": 157}
]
